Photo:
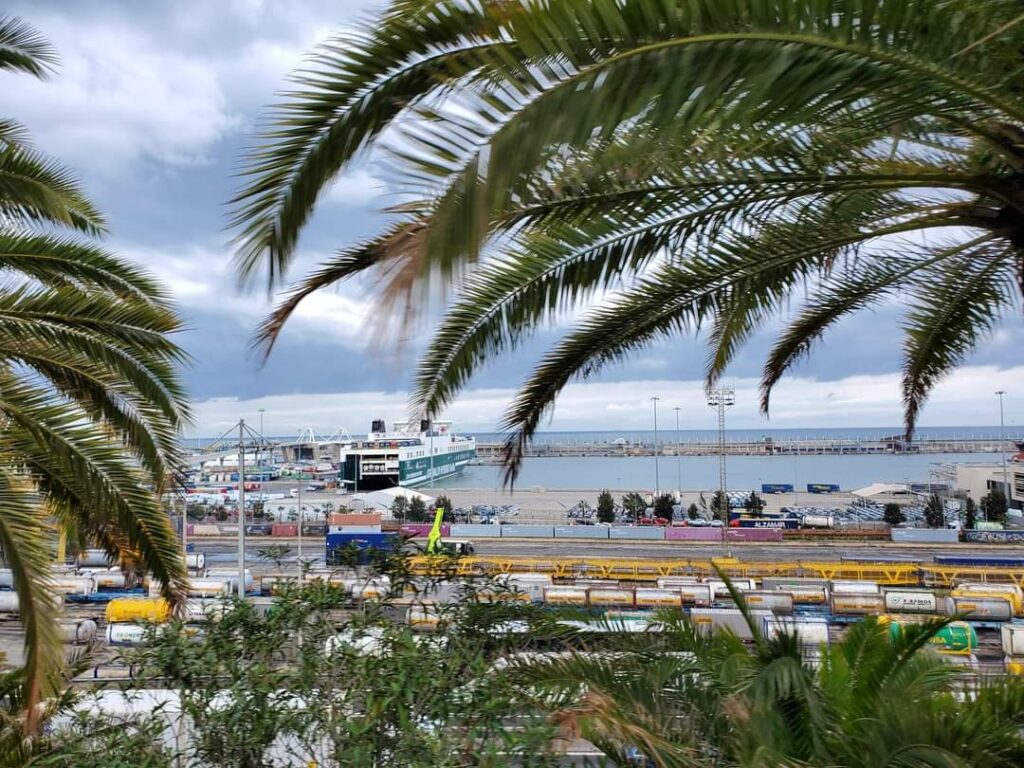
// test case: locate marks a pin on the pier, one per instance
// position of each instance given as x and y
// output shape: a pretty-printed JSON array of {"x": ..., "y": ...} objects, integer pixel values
[{"x": 896, "y": 444}]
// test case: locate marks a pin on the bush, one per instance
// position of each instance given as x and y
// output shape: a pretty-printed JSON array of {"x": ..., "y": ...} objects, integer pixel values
[{"x": 935, "y": 512}]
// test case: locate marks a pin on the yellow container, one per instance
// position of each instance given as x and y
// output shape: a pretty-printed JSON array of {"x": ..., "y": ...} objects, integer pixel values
[{"x": 127, "y": 609}]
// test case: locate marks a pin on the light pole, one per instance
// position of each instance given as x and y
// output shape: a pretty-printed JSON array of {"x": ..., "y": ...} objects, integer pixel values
[
  {"x": 259, "y": 453},
  {"x": 720, "y": 399},
  {"x": 1002, "y": 444},
  {"x": 679, "y": 461},
  {"x": 241, "y": 509},
  {"x": 657, "y": 481}
]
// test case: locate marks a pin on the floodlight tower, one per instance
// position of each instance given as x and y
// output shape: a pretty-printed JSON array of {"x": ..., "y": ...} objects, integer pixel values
[{"x": 720, "y": 399}]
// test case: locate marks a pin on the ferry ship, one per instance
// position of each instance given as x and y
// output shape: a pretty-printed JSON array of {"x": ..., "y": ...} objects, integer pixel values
[{"x": 411, "y": 454}]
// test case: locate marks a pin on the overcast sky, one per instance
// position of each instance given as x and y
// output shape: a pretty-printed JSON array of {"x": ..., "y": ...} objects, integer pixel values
[{"x": 153, "y": 106}]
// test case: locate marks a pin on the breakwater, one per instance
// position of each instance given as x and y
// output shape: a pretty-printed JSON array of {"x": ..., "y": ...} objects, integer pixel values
[{"x": 768, "y": 446}]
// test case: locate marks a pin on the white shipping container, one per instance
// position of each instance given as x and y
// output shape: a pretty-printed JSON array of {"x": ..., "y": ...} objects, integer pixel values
[
  {"x": 776, "y": 601},
  {"x": 720, "y": 619},
  {"x": 658, "y": 598},
  {"x": 812, "y": 632},
  {"x": 125, "y": 634},
  {"x": 71, "y": 585},
  {"x": 611, "y": 598},
  {"x": 530, "y": 584},
  {"x": 671, "y": 582},
  {"x": 9, "y": 602},
  {"x": 195, "y": 561},
  {"x": 857, "y": 604},
  {"x": 77, "y": 630},
  {"x": 208, "y": 587},
  {"x": 1011, "y": 592},
  {"x": 565, "y": 595},
  {"x": 910, "y": 601},
  {"x": 94, "y": 558},
  {"x": 1013, "y": 639},
  {"x": 231, "y": 576},
  {"x": 721, "y": 591},
  {"x": 696, "y": 594},
  {"x": 855, "y": 588},
  {"x": 109, "y": 580},
  {"x": 979, "y": 608}
]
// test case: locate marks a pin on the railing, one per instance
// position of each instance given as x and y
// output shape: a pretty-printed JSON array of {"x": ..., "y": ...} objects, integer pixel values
[{"x": 628, "y": 569}]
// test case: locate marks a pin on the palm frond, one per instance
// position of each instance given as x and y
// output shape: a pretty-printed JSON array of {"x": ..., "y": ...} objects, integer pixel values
[
  {"x": 23, "y": 49},
  {"x": 35, "y": 190}
]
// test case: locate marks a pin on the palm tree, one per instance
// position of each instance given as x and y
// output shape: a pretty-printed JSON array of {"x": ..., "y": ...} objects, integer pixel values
[
  {"x": 687, "y": 698},
  {"x": 90, "y": 402},
  {"x": 691, "y": 165}
]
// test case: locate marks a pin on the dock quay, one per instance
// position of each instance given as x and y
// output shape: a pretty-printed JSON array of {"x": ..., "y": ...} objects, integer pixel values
[{"x": 492, "y": 451}]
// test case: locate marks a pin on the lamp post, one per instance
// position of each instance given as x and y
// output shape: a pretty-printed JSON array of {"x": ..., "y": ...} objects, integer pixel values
[
  {"x": 259, "y": 452},
  {"x": 720, "y": 399},
  {"x": 679, "y": 461},
  {"x": 241, "y": 509},
  {"x": 657, "y": 481},
  {"x": 1002, "y": 444}
]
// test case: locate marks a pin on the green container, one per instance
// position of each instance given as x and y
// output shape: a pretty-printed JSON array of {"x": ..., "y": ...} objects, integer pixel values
[{"x": 957, "y": 637}]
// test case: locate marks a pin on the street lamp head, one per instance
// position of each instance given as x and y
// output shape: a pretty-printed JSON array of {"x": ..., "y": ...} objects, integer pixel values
[{"x": 1001, "y": 392}]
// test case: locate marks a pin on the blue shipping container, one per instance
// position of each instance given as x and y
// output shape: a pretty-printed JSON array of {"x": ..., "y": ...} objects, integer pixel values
[
  {"x": 776, "y": 488},
  {"x": 340, "y": 544},
  {"x": 822, "y": 488}
]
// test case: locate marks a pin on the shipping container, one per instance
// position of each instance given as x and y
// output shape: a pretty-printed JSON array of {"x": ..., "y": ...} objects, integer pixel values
[
  {"x": 694, "y": 534},
  {"x": 423, "y": 618},
  {"x": 77, "y": 631},
  {"x": 776, "y": 601},
  {"x": 855, "y": 588},
  {"x": 812, "y": 632},
  {"x": 1013, "y": 639},
  {"x": 720, "y": 591},
  {"x": 785, "y": 582},
  {"x": 556, "y": 595},
  {"x": 727, "y": 619},
  {"x": 9, "y": 602},
  {"x": 671, "y": 582},
  {"x": 822, "y": 488},
  {"x": 284, "y": 529},
  {"x": 806, "y": 594},
  {"x": 956, "y": 638},
  {"x": 95, "y": 558},
  {"x": 610, "y": 598},
  {"x": 129, "y": 609},
  {"x": 530, "y": 584},
  {"x": 981, "y": 561},
  {"x": 854, "y": 604},
  {"x": 71, "y": 585},
  {"x": 208, "y": 587},
  {"x": 911, "y": 601},
  {"x": 766, "y": 522},
  {"x": 979, "y": 608},
  {"x": 647, "y": 597},
  {"x": 818, "y": 521},
  {"x": 107, "y": 580},
  {"x": 373, "y": 589},
  {"x": 701, "y": 595},
  {"x": 1011, "y": 592},
  {"x": 125, "y": 634},
  {"x": 776, "y": 488}
]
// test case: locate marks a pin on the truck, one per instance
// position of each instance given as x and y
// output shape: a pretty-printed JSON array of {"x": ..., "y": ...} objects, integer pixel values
[
  {"x": 822, "y": 488},
  {"x": 776, "y": 487}
]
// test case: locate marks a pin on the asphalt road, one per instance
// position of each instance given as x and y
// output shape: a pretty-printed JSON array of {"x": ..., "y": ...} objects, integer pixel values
[{"x": 226, "y": 551}]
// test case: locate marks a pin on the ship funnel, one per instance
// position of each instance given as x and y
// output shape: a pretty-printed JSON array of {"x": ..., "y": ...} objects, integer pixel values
[
  {"x": 424, "y": 425},
  {"x": 377, "y": 426}
]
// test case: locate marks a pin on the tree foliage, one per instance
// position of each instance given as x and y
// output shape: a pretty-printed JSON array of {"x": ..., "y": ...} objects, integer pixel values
[
  {"x": 893, "y": 514},
  {"x": 935, "y": 512},
  {"x": 399, "y": 508},
  {"x": 634, "y": 505},
  {"x": 994, "y": 505},
  {"x": 91, "y": 405},
  {"x": 605, "y": 507},
  {"x": 970, "y": 514},
  {"x": 692, "y": 512},
  {"x": 754, "y": 503},
  {"x": 663, "y": 507},
  {"x": 417, "y": 510},
  {"x": 720, "y": 507},
  {"x": 694, "y": 166}
]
